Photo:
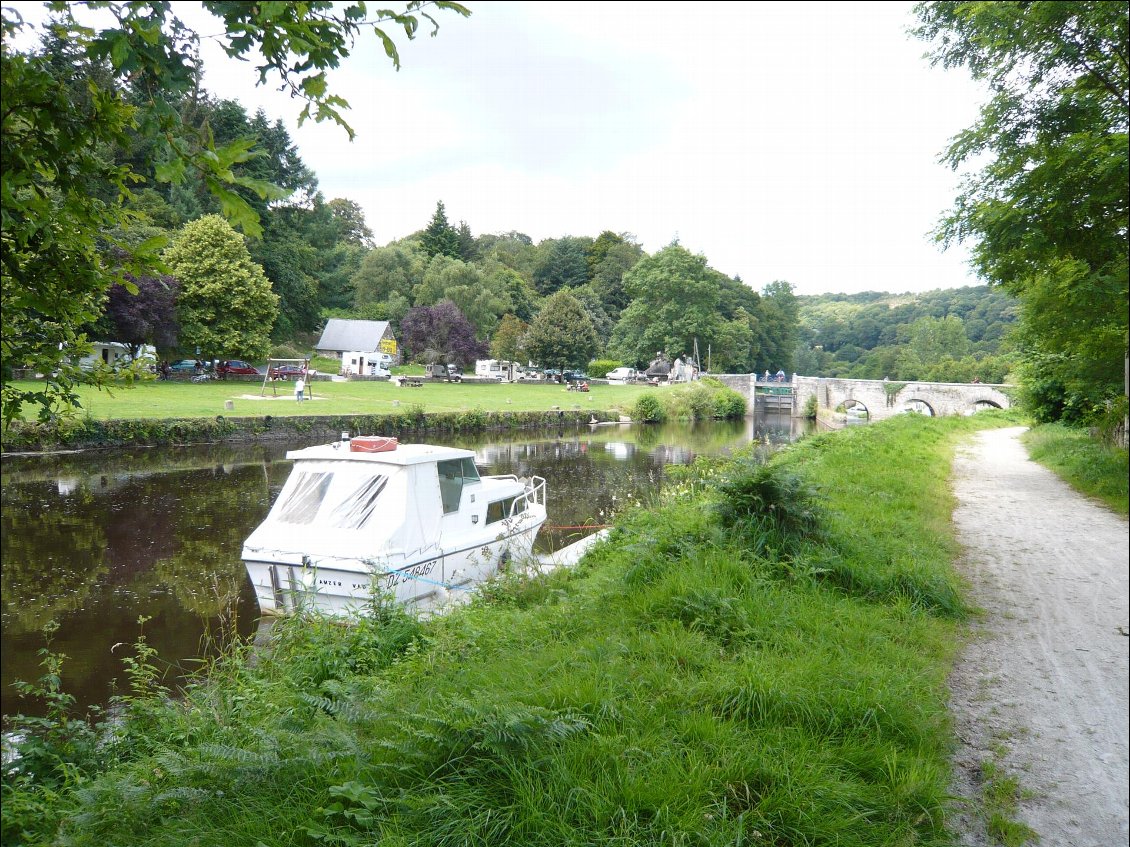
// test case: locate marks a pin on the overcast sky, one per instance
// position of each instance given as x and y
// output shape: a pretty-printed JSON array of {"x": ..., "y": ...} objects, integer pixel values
[{"x": 795, "y": 141}]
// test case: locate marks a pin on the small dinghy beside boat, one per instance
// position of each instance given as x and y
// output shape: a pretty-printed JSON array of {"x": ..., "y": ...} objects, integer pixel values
[{"x": 369, "y": 515}]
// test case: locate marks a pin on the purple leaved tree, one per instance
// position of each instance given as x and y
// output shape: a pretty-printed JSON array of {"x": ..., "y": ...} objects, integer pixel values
[
  {"x": 441, "y": 333},
  {"x": 148, "y": 317}
]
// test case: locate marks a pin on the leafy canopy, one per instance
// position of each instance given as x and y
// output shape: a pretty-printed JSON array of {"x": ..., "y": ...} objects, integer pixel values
[
  {"x": 61, "y": 198},
  {"x": 1048, "y": 213},
  {"x": 226, "y": 307}
]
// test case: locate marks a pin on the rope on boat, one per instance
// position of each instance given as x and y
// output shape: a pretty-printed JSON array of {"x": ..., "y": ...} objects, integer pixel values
[{"x": 585, "y": 526}]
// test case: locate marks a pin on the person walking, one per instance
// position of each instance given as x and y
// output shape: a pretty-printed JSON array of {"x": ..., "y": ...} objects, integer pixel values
[{"x": 299, "y": 389}]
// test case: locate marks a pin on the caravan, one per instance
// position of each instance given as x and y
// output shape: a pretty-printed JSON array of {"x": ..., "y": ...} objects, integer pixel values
[
  {"x": 373, "y": 363},
  {"x": 498, "y": 369}
]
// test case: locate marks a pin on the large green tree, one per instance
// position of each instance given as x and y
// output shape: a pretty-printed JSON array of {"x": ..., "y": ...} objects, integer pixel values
[
  {"x": 61, "y": 195},
  {"x": 226, "y": 307},
  {"x": 675, "y": 300},
  {"x": 1047, "y": 213},
  {"x": 562, "y": 335}
]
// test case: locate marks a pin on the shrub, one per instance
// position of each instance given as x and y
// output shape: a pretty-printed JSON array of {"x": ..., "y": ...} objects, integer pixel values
[
  {"x": 810, "y": 406},
  {"x": 689, "y": 402},
  {"x": 729, "y": 404},
  {"x": 287, "y": 351},
  {"x": 767, "y": 505},
  {"x": 648, "y": 408}
]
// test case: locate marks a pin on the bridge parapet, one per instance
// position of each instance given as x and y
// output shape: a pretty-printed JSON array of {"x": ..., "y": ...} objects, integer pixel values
[{"x": 883, "y": 399}]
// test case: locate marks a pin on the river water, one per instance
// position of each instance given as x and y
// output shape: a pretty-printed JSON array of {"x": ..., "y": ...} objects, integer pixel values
[{"x": 94, "y": 541}]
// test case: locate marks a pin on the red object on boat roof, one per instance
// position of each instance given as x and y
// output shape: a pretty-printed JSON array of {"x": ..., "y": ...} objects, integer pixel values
[{"x": 371, "y": 444}]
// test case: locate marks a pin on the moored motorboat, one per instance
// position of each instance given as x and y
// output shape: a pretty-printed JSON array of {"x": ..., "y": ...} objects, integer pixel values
[{"x": 368, "y": 516}]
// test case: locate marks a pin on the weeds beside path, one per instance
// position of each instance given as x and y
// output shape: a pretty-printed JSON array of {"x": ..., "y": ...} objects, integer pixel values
[{"x": 1040, "y": 693}]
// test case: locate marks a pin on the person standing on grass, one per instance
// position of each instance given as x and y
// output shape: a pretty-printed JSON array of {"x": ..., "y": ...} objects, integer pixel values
[{"x": 299, "y": 389}]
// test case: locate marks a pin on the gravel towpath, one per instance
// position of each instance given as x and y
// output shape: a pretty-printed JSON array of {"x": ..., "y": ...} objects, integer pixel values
[{"x": 1042, "y": 687}]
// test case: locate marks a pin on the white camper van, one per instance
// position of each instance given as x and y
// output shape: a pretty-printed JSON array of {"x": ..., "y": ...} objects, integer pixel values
[
  {"x": 499, "y": 369},
  {"x": 372, "y": 363}
]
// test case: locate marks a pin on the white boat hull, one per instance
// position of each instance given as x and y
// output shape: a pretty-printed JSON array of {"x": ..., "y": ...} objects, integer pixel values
[{"x": 344, "y": 588}]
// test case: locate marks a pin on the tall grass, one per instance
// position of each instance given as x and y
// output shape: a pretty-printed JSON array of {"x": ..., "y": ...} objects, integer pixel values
[
  {"x": 713, "y": 673},
  {"x": 1096, "y": 469}
]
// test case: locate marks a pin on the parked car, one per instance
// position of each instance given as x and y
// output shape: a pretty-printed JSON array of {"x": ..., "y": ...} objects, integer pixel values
[
  {"x": 235, "y": 366},
  {"x": 575, "y": 376},
  {"x": 185, "y": 366},
  {"x": 287, "y": 371},
  {"x": 622, "y": 375}
]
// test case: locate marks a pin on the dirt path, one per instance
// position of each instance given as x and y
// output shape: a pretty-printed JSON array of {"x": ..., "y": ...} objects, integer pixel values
[{"x": 1042, "y": 687}]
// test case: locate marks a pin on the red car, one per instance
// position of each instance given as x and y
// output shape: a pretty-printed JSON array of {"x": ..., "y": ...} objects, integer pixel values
[
  {"x": 235, "y": 366},
  {"x": 287, "y": 372}
]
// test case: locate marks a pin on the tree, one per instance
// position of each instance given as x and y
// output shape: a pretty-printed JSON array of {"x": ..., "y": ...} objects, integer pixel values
[
  {"x": 148, "y": 316},
  {"x": 934, "y": 339},
  {"x": 385, "y": 271},
  {"x": 779, "y": 322},
  {"x": 349, "y": 219},
  {"x": 561, "y": 335},
  {"x": 440, "y": 333},
  {"x": 509, "y": 342},
  {"x": 675, "y": 300},
  {"x": 1048, "y": 213},
  {"x": 608, "y": 275},
  {"x": 226, "y": 305},
  {"x": 440, "y": 238},
  {"x": 465, "y": 286},
  {"x": 562, "y": 264},
  {"x": 468, "y": 247},
  {"x": 61, "y": 195}
]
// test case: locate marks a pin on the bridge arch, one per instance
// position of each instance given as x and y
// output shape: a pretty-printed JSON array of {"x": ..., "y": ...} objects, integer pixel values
[
  {"x": 916, "y": 404},
  {"x": 852, "y": 407}
]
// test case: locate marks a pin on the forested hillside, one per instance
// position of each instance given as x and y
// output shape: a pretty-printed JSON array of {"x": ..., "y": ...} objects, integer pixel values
[{"x": 950, "y": 335}]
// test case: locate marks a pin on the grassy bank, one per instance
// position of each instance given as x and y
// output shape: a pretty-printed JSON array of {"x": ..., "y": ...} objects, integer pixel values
[
  {"x": 171, "y": 413},
  {"x": 1086, "y": 464},
  {"x": 758, "y": 657},
  {"x": 156, "y": 399}
]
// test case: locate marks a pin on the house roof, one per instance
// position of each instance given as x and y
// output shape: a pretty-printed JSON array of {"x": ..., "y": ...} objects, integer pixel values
[{"x": 346, "y": 335}]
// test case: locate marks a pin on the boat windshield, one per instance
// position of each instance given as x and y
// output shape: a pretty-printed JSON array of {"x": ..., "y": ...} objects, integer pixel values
[
  {"x": 453, "y": 475},
  {"x": 342, "y": 501}
]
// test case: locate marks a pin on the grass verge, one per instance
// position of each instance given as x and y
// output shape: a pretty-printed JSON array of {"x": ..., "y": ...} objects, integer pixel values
[
  {"x": 1083, "y": 462},
  {"x": 757, "y": 657}
]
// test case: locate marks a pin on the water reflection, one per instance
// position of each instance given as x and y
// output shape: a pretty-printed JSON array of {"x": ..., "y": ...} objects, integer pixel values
[{"x": 95, "y": 540}]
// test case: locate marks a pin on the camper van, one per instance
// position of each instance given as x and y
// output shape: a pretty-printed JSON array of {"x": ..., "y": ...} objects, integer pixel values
[
  {"x": 373, "y": 363},
  {"x": 499, "y": 369}
]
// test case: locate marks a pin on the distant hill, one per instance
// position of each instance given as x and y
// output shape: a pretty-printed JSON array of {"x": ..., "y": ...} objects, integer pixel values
[{"x": 947, "y": 335}]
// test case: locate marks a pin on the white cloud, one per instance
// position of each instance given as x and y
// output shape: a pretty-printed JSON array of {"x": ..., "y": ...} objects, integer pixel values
[{"x": 794, "y": 141}]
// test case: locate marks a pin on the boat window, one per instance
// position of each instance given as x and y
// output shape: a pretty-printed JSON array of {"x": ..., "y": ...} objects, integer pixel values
[
  {"x": 453, "y": 474},
  {"x": 305, "y": 498},
  {"x": 357, "y": 504},
  {"x": 500, "y": 509}
]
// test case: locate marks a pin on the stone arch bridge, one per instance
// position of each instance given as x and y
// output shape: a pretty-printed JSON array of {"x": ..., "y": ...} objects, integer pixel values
[{"x": 879, "y": 398}]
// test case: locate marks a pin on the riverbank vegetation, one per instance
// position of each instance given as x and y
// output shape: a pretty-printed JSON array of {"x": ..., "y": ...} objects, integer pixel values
[
  {"x": 757, "y": 656},
  {"x": 1090, "y": 466}
]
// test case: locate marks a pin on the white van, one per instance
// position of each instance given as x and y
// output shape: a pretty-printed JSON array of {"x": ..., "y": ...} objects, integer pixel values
[{"x": 622, "y": 375}]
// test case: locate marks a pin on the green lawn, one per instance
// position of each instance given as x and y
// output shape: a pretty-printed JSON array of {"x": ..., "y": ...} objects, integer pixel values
[{"x": 208, "y": 399}]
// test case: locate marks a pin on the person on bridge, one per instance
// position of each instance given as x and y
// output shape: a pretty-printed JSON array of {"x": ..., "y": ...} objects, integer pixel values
[{"x": 780, "y": 375}]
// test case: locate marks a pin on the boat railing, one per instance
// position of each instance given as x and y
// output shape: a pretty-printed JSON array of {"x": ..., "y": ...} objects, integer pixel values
[{"x": 533, "y": 495}]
